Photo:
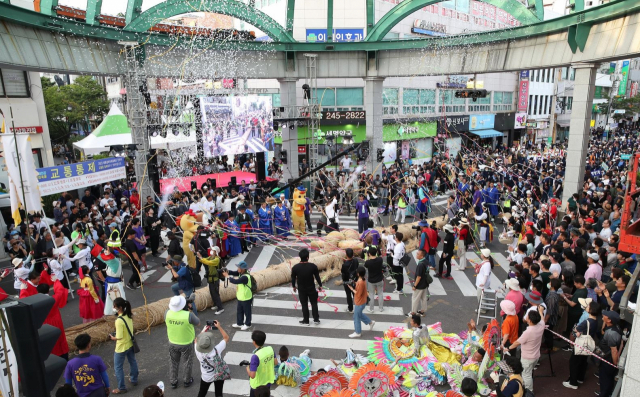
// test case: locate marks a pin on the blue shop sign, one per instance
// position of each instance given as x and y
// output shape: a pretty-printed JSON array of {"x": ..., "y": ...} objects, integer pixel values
[
  {"x": 339, "y": 35},
  {"x": 481, "y": 121},
  {"x": 524, "y": 74},
  {"x": 79, "y": 169}
]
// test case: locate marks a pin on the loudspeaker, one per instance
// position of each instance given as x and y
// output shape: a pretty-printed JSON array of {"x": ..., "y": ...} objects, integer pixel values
[
  {"x": 194, "y": 185},
  {"x": 260, "y": 169},
  {"x": 233, "y": 181}
]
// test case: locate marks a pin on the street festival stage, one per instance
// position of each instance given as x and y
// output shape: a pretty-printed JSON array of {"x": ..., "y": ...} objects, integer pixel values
[{"x": 222, "y": 180}]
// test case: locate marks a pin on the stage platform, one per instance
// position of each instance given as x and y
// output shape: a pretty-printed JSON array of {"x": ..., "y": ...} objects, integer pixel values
[{"x": 222, "y": 180}]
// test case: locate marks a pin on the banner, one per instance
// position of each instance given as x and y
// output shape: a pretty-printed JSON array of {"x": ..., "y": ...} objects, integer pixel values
[
  {"x": 523, "y": 96},
  {"x": 521, "y": 120},
  {"x": 622, "y": 89},
  {"x": 15, "y": 161},
  {"x": 8, "y": 361},
  {"x": 62, "y": 178}
]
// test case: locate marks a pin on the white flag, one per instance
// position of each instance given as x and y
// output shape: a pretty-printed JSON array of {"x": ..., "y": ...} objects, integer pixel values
[{"x": 29, "y": 181}]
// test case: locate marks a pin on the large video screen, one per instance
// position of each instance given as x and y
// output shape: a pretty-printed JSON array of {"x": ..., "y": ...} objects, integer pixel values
[{"x": 236, "y": 125}]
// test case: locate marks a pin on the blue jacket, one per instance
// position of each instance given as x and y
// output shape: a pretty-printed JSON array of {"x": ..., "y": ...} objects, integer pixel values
[{"x": 184, "y": 277}]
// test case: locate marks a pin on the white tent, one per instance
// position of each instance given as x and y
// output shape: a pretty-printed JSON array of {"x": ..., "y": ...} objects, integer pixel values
[{"x": 113, "y": 130}]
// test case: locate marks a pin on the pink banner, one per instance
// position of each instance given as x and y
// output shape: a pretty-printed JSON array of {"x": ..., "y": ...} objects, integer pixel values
[{"x": 523, "y": 96}]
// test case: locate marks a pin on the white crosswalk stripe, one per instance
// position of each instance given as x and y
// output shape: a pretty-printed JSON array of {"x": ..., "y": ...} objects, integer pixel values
[
  {"x": 436, "y": 286},
  {"x": 334, "y": 293},
  {"x": 278, "y": 304}
]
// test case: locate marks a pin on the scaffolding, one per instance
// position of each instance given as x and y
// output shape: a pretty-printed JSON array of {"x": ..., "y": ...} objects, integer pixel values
[
  {"x": 313, "y": 108},
  {"x": 135, "y": 82}
]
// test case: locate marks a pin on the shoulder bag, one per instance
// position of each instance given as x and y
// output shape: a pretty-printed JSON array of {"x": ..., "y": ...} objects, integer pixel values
[
  {"x": 136, "y": 348},
  {"x": 584, "y": 344}
]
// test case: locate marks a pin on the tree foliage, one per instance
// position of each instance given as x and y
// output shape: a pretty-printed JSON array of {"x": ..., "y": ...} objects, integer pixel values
[
  {"x": 70, "y": 104},
  {"x": 631, "y": 106}
]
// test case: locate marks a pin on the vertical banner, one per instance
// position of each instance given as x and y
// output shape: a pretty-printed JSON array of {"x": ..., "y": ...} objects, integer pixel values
[
  {"x": 14, "y": 160},
  {"x": 622, "y": 89},
  {"x": 8, "y": 360},
  {"x": 406, "y": 150},
  {"x": 523, "y": 96},
  {"x": 612, "y": 68},
  {"x": 634, "y": 89}
]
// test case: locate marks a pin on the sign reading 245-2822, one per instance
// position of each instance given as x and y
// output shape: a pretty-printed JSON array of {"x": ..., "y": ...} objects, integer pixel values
[{"x": 339, "y": 35}]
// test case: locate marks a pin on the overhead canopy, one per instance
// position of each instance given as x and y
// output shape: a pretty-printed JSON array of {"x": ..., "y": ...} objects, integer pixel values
[
  {"x": 113, "y": 130},
  {"x": 171, "y": 141},
  {"x": 487, "y": 133}
]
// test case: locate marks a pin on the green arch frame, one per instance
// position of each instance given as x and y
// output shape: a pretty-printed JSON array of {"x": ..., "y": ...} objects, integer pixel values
[
  {"x": 233, "y": 8},
  {"x": 407, "y": 7}
]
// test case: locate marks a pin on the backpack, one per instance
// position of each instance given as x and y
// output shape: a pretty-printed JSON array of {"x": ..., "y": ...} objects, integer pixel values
[
  {"x": 219, "y": 367},
  {"x": 196, "y": 280},
  {"x": 254, "y": 284},
  {"x": 526, "y": 392}
]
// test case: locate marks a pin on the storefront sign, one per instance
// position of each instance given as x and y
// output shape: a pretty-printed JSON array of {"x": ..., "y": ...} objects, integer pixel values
[
  {"x": 523, "y": 96},
  {"x": 451, "y": 85},
  {"x": 592, "y": 123},
  {"x": 339, "y": 35},
  {"x": 524, "y": 74},
  {"x": 455, "y": 123},
  {"x": 531, "y": 124},
  {"x": 27, "y": 130},
  {"x": 408, "y": 130},
  {"x": 634, "y": 89},
  {"x": 62, "y": 178},
  {"x": 302, "y": 149},
  {"x": 622, "y": 89},
  {"x": 338, "y": 133},
  {"x": 421, "y": 26},
  {"x": 415, "y": 130},
  {"x": 521, "y": 120},
  {"x": 481, "y": 121},
  {"x": 344, "y": 115}
]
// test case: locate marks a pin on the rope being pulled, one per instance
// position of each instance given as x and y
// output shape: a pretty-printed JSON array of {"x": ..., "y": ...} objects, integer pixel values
[{"x": 329, "y": 261}]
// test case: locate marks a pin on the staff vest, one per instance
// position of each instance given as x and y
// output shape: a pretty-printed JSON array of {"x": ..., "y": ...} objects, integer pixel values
[
  {"x": 265, "y": 374},
  {"x": 179, "y": 330},
  {"x": 243, "y": 292}
]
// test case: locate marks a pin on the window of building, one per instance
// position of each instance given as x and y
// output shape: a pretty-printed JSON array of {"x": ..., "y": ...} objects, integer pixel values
[
  {"x": 569, "y": 102},
  {"x": 572, "y": 74},
  {"x": 450, "y": 102},
  {"x": 416, "y": 101},
  {"x": 553, "y": 75},
  {"x": 530, "y": 104},
  {"x": 480, "y": 105},
  {"x": 14, "y": 83},
  {"x": 350, "y": 97},
  {"x": 546, "y": 104},
  {"x": 390, "y": 100},
  {"x": 502, "y": 101},
  {"x": 275, "y": 99},
  {"x": 535, "y": 105}
]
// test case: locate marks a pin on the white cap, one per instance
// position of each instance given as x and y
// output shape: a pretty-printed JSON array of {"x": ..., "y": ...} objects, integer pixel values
[
  {"x": 486, "y": 252},
  {"x": 177, "y": 303},
  {"x": 81, "y": 241},
  {"x": 16, "y": 262}
]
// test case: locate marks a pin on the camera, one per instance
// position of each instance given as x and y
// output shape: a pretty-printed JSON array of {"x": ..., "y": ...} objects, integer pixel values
[
  {"x": 190, "y": 301},
  {"x": 212, "y": 323},
  {"x": 416, "y": 227},
  {"x": 244, "y": 363}
]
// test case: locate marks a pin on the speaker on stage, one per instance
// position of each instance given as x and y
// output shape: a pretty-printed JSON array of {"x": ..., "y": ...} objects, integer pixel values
[
  {"x": 213, "y": 184},
  {"x": 260, "y": 167},
  {"x": 233, "y": 181},
  {"x": 194, "y": 185}
]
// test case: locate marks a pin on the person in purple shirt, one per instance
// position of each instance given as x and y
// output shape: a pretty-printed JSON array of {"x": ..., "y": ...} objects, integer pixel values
[
  {"x": 375, "y": 235},
  {"x": 477, "y": 200},
  {"x": 87, "y": 372},
  {"x": 244, "y": 190},
  {"x": 307, "y": 214},
  {"x": 362, "y": 213}
]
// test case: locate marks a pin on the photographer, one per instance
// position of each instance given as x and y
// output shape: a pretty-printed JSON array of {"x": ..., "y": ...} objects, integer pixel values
[
  {"x": 212, "y": 367},
  {"x": 213, "y": 277},
  {"x": 182, "y": 274},
  {"x": 180, "y": 323},
  {"x": 349, "y": 275}
]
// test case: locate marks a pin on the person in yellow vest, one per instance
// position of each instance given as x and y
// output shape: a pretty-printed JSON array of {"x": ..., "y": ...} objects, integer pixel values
[
  {"x": 403, "y": 202},
  {"x": 243, "y": 295},
  {"x": 261, "y": 368},
  {"x": 181, "y": 332}
]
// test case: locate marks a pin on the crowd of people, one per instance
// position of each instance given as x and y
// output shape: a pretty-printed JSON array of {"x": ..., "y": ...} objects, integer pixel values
[{"x": 566, "y": 280}]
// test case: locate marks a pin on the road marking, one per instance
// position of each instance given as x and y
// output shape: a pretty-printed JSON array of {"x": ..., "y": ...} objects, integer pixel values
[
  {"x": 233, "y": 263},
  {"x": 324, "y": 324},
  {"x": 166, "y": 278},
  {"x": 333, "y": 293},
  {"x": 264, "y": 258},
  {"x": 315, "y": 342},
  {"x": 464, "y": 284},
  {"x": 234, "y": 358},
  {"x": 502, "y": 261},
  {"x": 144, "y": 276},
  {"x": 495, "y": 281},
  {"x": 280, "y": 304}
]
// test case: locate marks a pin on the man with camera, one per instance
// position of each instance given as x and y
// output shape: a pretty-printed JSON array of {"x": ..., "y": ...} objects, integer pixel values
[
  {"x": 243, "y": 295},
  {"x": 180, "y": 321},
  {"x": 261, "y": 367},
  {"x": 182, "y": 274},
  {"x": 213, "y": 277}
]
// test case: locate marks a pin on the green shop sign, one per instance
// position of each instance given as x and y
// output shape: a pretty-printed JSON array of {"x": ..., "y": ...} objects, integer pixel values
[
  {"x": 401, "y": 132},
  {"x": 358, "y": 132}
]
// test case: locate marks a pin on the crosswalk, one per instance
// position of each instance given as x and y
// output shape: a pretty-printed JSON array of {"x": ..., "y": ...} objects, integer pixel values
[{"x": 276, "y": 311}]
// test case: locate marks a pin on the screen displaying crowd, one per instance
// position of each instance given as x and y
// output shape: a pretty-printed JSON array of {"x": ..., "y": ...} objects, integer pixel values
[{"x": 235, "y": 125}]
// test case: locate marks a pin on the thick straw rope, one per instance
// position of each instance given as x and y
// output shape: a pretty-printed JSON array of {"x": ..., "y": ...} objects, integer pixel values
[{"x": 328, "y": 259}]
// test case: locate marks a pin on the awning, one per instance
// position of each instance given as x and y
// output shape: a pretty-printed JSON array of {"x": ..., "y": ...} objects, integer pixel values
[
  {"x": 563, "y": 124},
  {"x": 487, "y": 133}
]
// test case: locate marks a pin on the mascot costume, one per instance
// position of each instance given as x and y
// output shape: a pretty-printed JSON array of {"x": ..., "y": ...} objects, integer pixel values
[
  {"x": 297, "y": 211},
  {"x": 189, "y": 222}
]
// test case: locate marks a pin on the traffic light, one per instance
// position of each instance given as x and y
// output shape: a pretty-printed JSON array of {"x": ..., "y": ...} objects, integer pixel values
[
  {"x": 33, "y": 342},
  {"x": 473, "y": 94},
  {"x": 380, "y": 157}
]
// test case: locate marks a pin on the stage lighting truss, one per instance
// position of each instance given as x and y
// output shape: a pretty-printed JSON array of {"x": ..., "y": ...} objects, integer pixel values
[{"x": 123, "y": 150}]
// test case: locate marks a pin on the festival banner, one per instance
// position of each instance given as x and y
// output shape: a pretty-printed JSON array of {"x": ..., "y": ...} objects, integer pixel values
[
  {"x": 79, "y": 175},
  {"x": 520, "y": 120},
  {"x": 8, "y": 361},
  {"x": 622, "y": 89},
  {"x": 523, "y": 96},
  {"x": 22, "y": 175}
]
